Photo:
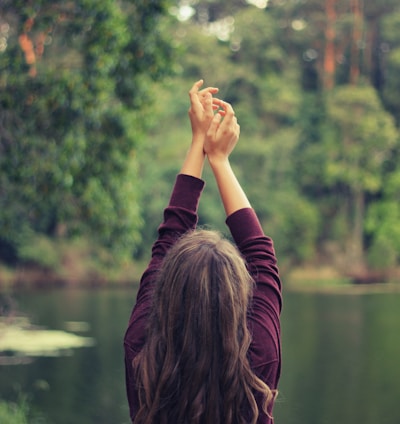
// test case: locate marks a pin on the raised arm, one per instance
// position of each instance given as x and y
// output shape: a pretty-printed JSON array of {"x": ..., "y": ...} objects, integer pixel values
[
  {"x": 257, "y": 249},
  {"x": 180, "y": 215},
  {"x": 201, "y": 113},
  {"x": 219, "y": 143}
]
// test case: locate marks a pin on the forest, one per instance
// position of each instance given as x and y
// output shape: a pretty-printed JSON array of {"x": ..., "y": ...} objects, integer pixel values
[{"x": 93, "y": 127}]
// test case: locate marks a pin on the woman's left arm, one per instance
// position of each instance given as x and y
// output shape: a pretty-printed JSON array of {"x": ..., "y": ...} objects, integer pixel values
[
  {"x": 188, "y": 186},
  {"x": 201, "y": 113},
  {"x": 181, "y": 213}
]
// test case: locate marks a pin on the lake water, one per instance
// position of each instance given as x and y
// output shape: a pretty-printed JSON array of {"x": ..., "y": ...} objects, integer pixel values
[{"x": 341, "y": 358}]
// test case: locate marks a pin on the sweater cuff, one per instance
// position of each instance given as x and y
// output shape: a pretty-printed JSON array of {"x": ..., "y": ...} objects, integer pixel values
[
  {"x": 186, "y": 192},
  {"x": 244, "y": 224}
]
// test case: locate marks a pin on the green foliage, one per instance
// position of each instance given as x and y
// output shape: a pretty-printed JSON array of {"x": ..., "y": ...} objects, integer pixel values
[
  {"x": 366, "y": 135},
  {"x": 13, "y": 414},
  {"x": 382, "y": 225},
  {"x": 75, "y": 84},
  {"x": 40, "y": 250},
  {"x": 18, "y": 412},
  {"x": 392, "y": 87},
  {"x": 383, "y": 252},
  {"x": 293, "y": 225}
]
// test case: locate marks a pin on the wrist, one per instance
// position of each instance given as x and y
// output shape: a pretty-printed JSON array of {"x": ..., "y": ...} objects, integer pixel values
[
  {"x": 196, "y": 148},
  {"x": 194, "y": 161},
  {"x": 198, "y": 139},
  {"x": 218, "y": 161}
]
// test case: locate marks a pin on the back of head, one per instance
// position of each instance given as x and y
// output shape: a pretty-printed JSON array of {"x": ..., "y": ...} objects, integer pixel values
[{"x": 194, "y": 367}]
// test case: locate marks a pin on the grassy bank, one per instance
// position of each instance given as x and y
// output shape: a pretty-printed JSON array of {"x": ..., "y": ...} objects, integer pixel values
[
  {"x": 329, "y": 280},
  {"x": 61, "y": 263}
]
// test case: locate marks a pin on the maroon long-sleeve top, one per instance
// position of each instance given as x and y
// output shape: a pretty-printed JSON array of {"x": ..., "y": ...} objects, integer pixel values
[{"x": 257, "y": 249}]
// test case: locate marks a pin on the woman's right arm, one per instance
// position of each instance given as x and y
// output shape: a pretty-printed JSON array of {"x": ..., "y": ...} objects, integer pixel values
[{"x": 221, "y": 139}]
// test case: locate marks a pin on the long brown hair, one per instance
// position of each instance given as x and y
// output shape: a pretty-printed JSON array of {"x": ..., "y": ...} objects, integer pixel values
[{"x": 194, "y": 366}]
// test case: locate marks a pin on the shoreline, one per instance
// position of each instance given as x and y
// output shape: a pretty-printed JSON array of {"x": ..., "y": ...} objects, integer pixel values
[
  {"x": 302, "y": 279},
  {"x": 35, "y": 277}
]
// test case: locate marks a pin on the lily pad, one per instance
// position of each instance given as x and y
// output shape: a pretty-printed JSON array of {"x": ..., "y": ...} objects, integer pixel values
[{"x": 19, "y": 338}]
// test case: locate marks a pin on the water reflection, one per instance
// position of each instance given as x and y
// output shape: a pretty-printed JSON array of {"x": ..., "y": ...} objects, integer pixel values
[{"x": 340, "y": 359}]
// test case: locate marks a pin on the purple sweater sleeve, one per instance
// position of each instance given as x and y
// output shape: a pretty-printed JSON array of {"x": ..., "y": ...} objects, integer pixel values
[
  {"x": 263, "y": 317},
  {"x": 179, "y": 217}
]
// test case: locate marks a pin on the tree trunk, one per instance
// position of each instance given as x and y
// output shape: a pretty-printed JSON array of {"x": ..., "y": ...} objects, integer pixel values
[
  {"x": 329, "y": 56},
  {"x": 357, "y": 39},
  {"x": 375, "y": 56}
]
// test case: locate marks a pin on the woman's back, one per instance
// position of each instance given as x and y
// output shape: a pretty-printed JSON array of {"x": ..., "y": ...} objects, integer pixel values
[{"x": 203, "y": 341}]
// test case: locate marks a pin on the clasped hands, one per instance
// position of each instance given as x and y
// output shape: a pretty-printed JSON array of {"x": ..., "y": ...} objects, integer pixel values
[{"x": 213, "y": 121}]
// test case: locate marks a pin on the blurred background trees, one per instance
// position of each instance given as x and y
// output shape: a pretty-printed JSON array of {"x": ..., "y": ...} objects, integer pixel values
[
  {"x": 76, "y": 79},
  {"x": 84, "y": 150}
]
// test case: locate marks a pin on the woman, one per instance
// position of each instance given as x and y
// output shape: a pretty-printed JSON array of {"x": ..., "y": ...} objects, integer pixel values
[{"x": 203, "y": 340}]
